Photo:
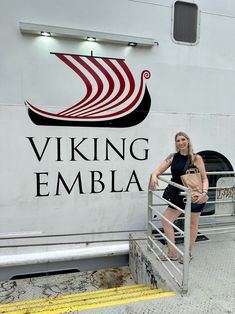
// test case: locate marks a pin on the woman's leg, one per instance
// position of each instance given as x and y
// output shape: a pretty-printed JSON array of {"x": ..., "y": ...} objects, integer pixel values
[
  {"x": 171, "y": 214},
  {"x": 194, "y": 228}
]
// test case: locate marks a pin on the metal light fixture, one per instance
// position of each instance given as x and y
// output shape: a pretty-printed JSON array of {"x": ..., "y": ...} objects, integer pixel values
[
  {"x": 46, "y": 34},
  {"x": 131, "y": 43},
  {"x": 84, "y": 34},
  {"x": 91, "y": 38}
]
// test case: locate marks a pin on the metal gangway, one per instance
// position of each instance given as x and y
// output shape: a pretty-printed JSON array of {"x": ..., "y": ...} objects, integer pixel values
[{"x": 180, "y": 273}]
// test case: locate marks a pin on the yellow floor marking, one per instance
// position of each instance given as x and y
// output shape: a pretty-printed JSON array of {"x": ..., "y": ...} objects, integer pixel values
[
  {"x": 80, "y": 295},
  {"x": 84, "y": 295},
  {"x": 78, "y": 303},
  {"x": 77, "y": 307},
  {"x": 75, "y": 297}
]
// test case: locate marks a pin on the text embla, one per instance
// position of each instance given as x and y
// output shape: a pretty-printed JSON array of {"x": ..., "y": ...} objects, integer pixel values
[{"x": 87, "y": 150}]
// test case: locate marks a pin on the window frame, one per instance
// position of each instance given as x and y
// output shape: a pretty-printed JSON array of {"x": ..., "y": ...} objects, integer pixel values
[{"x": 197, "y": 26}]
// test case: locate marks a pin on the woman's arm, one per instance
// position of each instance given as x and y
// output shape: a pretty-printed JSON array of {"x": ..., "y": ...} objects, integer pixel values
[
  {"x": 159, "y": 170},
  {"x": 199, "y": 163}
]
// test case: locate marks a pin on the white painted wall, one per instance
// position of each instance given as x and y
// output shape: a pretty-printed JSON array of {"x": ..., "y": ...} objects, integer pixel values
[{"x": 192, "y": 89}]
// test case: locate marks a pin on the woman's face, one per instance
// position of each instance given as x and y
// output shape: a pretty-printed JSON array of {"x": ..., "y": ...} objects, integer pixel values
[{"x": 181, "y": 143}]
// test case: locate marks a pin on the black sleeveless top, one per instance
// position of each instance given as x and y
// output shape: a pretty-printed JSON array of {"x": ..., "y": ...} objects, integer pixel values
[{"x": 177, "y": 167}]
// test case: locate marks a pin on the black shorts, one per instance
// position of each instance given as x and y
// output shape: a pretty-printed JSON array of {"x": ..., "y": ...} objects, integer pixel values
[
  {"x": 195, "y": 208},
  {"x": 171, "y": 194}
]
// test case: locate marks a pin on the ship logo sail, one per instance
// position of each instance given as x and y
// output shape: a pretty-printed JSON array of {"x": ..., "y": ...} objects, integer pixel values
[{"x": 111, "y": 99}]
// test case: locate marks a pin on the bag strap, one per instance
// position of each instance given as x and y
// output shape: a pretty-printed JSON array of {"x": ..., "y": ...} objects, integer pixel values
[
  {"x": 188, "y": 165},
  {"x": 188, "y": 162}
]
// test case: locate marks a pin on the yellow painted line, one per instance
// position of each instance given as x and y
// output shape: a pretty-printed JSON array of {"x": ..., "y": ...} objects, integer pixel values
[
  {"x": 87, "y": 298},
  {"x": 105, "y": 304},
  {"x": 78, "y": 295},
  {"x": 65, "y": 307},
  {"x": 76, "y": 307},
  {"x": 75, "y": 297}
]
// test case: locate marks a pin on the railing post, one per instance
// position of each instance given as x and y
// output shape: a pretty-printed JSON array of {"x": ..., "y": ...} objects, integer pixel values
[
  {"x": 150, "y": 213},
  {"x": 234, "y": 196},
  {"x": 186, "y": 243}
]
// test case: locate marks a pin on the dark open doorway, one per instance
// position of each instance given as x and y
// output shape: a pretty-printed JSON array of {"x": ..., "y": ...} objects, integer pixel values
[{"x": 214, "y": 161}]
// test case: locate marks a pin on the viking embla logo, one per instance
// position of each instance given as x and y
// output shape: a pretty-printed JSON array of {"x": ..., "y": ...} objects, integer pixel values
[{"x": 112, "y": 98}]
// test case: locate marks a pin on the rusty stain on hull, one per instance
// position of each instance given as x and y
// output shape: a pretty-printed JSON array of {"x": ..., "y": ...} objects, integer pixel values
[{"x": 111, "y": 278}]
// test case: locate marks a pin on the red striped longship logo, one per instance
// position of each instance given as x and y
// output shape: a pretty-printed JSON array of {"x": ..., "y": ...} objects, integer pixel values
[{"x": 111, "y": 99}]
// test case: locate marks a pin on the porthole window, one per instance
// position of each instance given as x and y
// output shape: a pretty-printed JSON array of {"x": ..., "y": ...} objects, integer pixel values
[{"x": 185, "y": 22}]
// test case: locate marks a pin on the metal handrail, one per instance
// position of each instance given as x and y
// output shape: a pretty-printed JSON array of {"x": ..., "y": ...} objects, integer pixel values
[
  {"x": 208, "y": 173},
  {"x": 183, "y": 283},
  {"x": 152, "y": 240},
  {"x": 232, "y": 187}
]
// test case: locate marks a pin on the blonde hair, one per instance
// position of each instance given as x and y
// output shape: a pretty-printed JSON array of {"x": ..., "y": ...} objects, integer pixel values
[{"x": 190, "y": 146}]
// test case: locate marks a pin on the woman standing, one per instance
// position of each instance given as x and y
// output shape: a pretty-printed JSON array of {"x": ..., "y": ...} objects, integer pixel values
[{"x": 184, "y": 153}]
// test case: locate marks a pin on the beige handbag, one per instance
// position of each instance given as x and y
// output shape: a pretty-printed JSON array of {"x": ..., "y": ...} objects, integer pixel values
[{"x": 192, "y": 180}]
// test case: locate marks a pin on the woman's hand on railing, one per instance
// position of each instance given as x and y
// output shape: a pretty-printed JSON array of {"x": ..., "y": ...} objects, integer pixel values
[{"x": 153, "y": 182}]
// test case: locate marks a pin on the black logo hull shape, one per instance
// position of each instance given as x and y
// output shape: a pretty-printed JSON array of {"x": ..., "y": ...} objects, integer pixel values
[{"x": 133, "y": 118}]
